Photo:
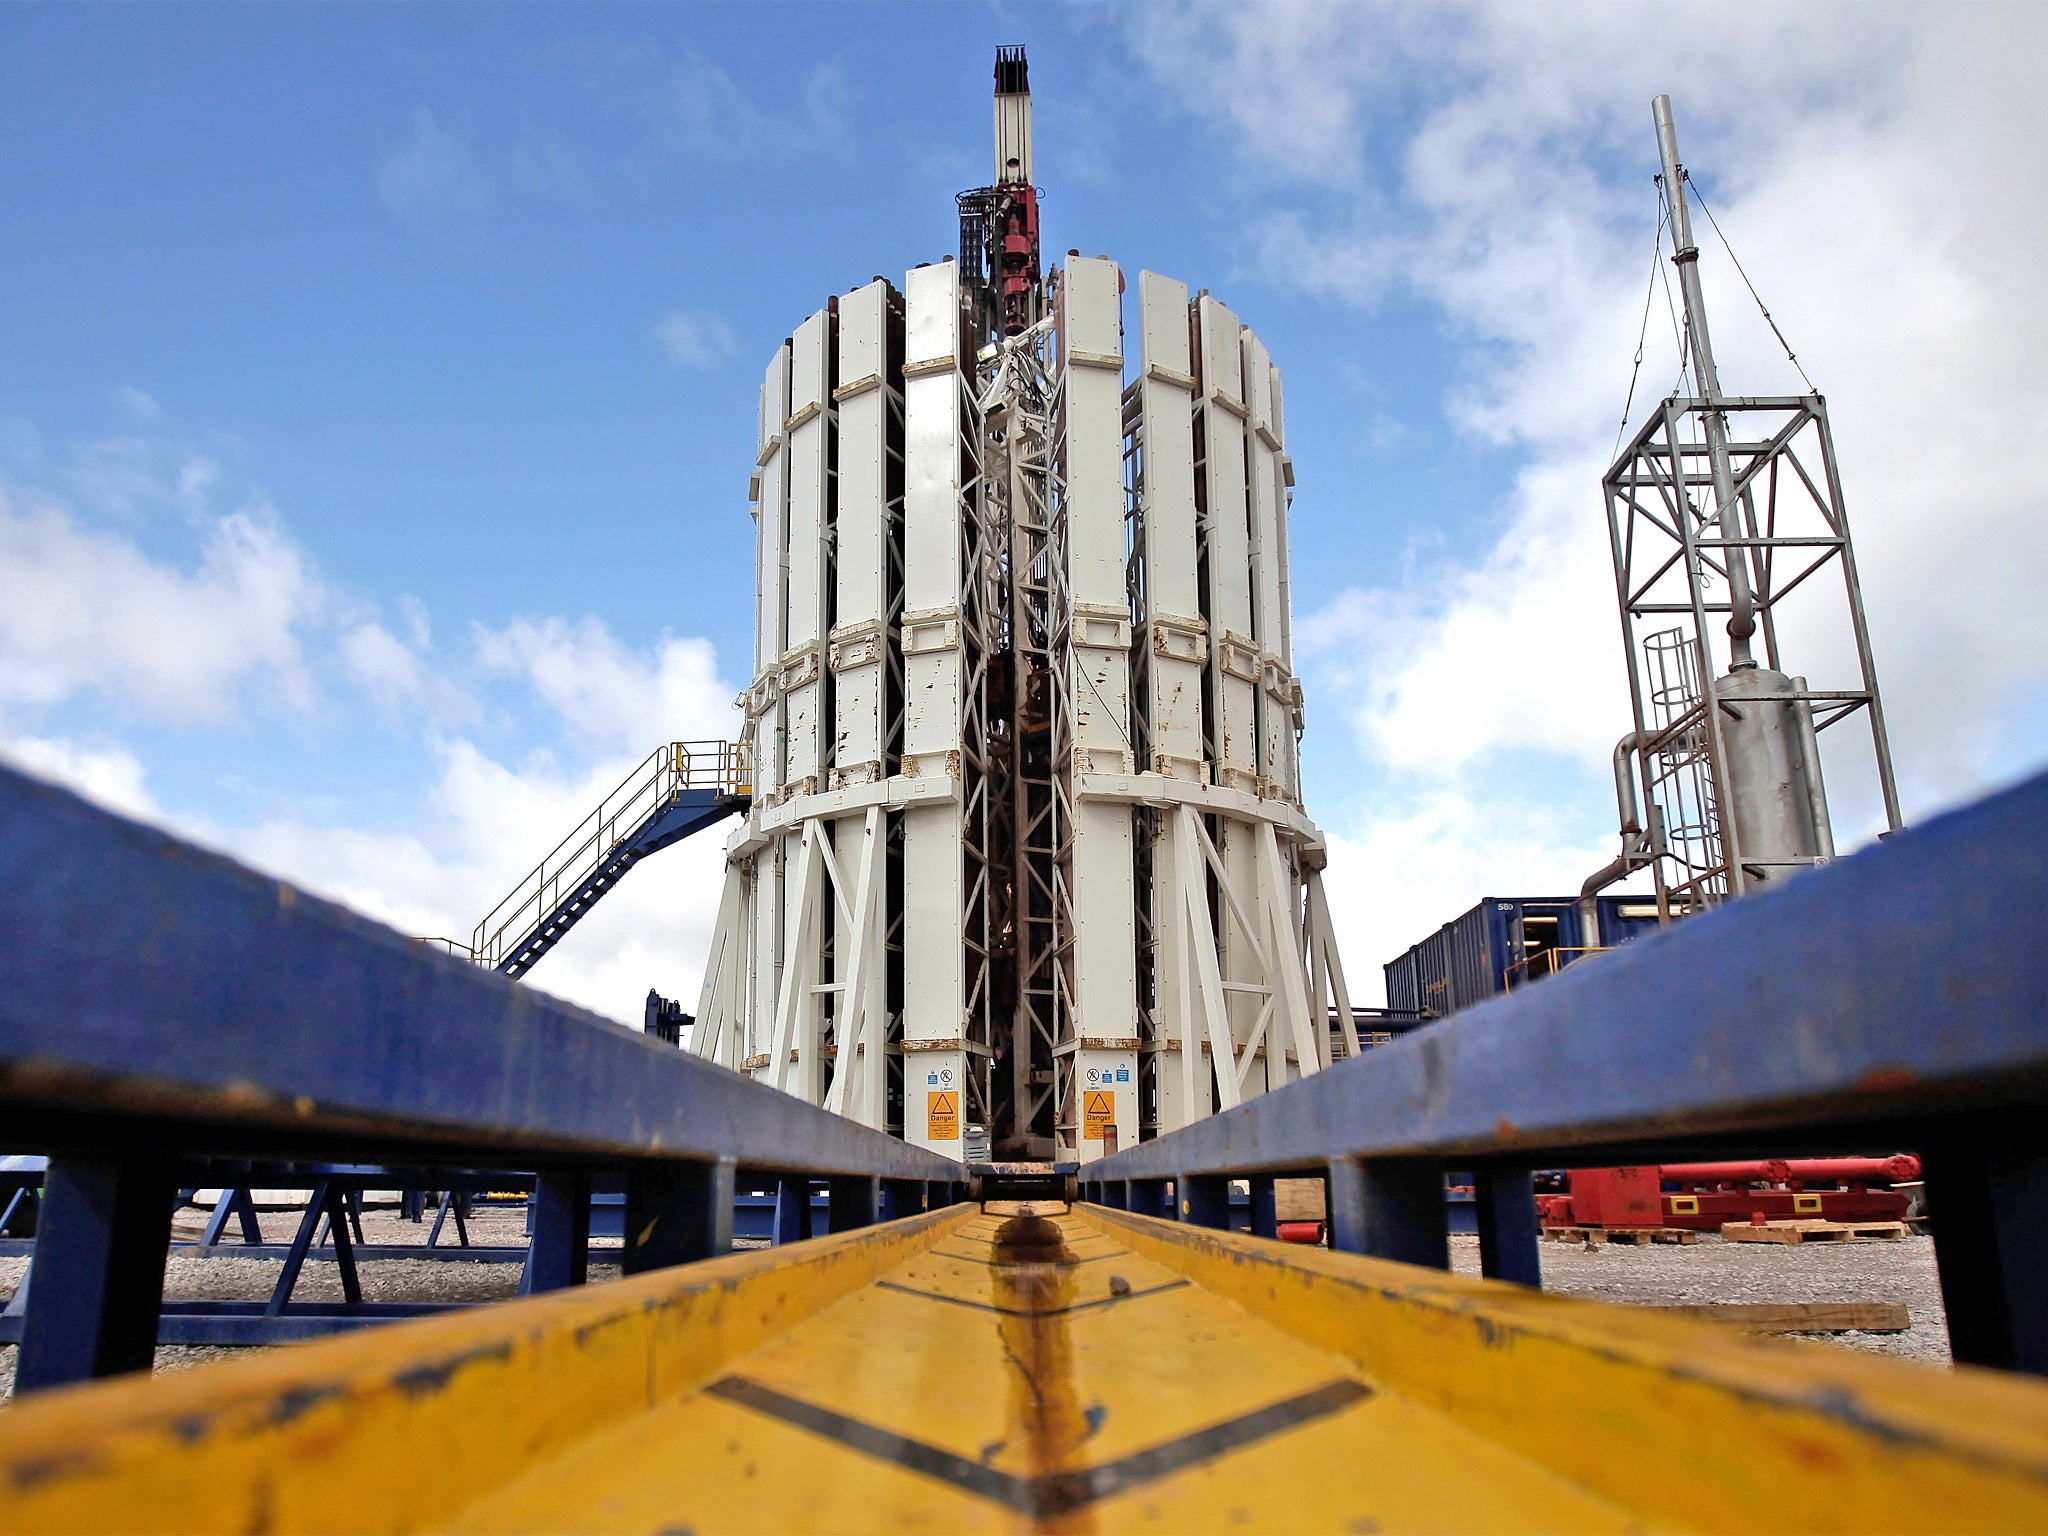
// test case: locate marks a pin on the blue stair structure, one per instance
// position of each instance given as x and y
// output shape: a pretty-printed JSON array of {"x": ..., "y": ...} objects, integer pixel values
[{"x": 682, "y": 788}]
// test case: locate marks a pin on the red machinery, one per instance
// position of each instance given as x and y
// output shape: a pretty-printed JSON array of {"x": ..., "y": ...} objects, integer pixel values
[
  {"x": 1703, "y": 1196},
  {"x": 1017, "y": 277}
]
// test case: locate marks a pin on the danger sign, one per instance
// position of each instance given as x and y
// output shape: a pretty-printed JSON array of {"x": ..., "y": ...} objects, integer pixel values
[
  {"x": 942, "y": 1116},
  {"x": 1098, "y": 1115}
]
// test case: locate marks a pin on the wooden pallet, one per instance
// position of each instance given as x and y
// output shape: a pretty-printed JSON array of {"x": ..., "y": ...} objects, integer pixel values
[
  {"x": 1812, "y": 1231},
  {"x": 1800, "y": 1317},
  {"x": 1630, "y": 1237}
]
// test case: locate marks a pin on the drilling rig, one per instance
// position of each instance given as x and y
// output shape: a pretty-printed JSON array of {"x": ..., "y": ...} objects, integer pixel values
[{"x": 1026, "y": 853}]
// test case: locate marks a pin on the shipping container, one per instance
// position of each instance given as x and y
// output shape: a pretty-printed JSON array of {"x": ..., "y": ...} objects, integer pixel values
[{"x": 1503, "y": 943}]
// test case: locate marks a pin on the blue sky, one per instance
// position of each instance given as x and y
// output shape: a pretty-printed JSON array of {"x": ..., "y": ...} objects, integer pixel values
[{"x": 376, "y": 405}]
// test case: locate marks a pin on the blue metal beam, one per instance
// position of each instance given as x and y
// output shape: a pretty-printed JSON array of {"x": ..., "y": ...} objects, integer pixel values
[
  {"x": 1895, "y": 999},
  {"x": 149, "y": 989},
  {"x": 1907, "y": 981}
]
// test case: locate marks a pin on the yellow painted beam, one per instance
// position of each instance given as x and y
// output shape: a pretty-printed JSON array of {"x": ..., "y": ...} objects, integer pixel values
[
  {"x": 1069, "y": 1384},
  {"x": 1681, "y": 1422},
  {"x": 996, "y": 1370},
  {"x": 396, "y": 1428}
]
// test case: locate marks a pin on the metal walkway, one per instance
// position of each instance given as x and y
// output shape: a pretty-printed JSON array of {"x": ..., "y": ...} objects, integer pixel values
[
  {"x": 681, "y": 789},
  {"x": 990, "y": 1370}
]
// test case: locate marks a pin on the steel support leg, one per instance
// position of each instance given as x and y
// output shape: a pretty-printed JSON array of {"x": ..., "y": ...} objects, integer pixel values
[
  {"x": 1204, "y": 1200},
  {"x": 1148, "y": 1198},
  {"x": 1510, "y": 1244},
  {"x": 855, "y": 1202},
  {"x": 792, "y": 1210},
  {"x": 677, "y": 1213},
  {"x": 1265, "y": 1207},
  {"x": 1389, "y": 1209},
  {"x": 235, "y": 1204},
  {"x": 453, "y": 1202},
  {"x": 99, "y": 1269},
  {"x": 901, "y": 1197},
  {"x": 559, "y": 1255},
  {"x": 1990, "y": 1210}
]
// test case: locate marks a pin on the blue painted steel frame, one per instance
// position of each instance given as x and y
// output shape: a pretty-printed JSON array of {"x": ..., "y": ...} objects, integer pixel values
[
  {"x": 158, "y": 1002},
  {"x": 1898, "y": 998},
  {"x": 141, "y": 975}
]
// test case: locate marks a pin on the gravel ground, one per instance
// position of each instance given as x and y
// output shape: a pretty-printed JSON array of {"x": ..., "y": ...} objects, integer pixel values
[
  {"x": 1661, "y": 1275},
  {"x": 1751, "y": 1273}
]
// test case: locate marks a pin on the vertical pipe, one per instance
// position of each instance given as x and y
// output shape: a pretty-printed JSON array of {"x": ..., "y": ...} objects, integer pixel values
[{"x": 1742, "y": 621}]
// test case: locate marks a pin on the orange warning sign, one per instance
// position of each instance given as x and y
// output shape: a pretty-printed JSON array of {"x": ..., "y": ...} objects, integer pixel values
[
  {"x": 1098, "y": 1115},
  {"x": 942, "y": 1116}
]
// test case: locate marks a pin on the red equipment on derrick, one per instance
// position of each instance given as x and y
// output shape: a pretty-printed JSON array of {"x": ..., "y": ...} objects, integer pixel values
[{"x": 999, "y": 244}]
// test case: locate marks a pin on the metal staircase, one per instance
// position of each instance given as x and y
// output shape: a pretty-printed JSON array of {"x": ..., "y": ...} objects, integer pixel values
[{"x": 684, "y": 787}]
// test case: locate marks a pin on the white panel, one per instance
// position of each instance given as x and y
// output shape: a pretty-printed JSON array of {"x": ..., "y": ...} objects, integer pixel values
[
  {"x": 1105, "y": 1021},
  {"x": 1275, "y": 701},
  {"x": 1092, "y": 343},
  {"x": 856, "y": 655},
  {"x": 803, "y": 648},
  {"x": 771, "y": 514},
  {"x": 1233, "y": 651},
  {"x": 1169, "y": 447},
  {"x": 1176, "y": 652},
  {"x": 1286, "y": 497},
  {"x": 934, "y": 901},
  {"x": 1175, "y": 629},
  {"x": 1227, "y": 603}
]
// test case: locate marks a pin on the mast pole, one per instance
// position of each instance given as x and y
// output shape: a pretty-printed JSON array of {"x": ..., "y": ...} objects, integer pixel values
[{"x": 1742, "y": 603}]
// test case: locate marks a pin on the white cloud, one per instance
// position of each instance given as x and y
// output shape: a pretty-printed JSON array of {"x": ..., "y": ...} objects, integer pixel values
[
  {"x": 695, "y": 339},
  {"x": 1496, "y": 162},
  {"x": 378, "y": 660},
  {"x": 108, "y": 774},
  {"x": 97, "y": 623},
  {"x": 687, "y": 105},
  {"x": 83, "y": 610},
  {"x": 431, "y": 171},
  {"x": 136, "y": 403},
  {"x": 610, "y": 696},
  {"x": 487, "y": 824}
]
